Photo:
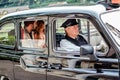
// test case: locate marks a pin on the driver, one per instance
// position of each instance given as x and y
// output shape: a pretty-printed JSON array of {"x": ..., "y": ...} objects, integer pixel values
[{"x": 73, "y": 40}]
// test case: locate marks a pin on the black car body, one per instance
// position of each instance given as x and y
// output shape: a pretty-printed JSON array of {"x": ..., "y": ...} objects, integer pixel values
[{"x": 99, "y": 27}]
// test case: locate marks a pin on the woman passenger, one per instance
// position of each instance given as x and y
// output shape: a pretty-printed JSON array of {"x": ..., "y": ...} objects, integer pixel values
[{"x": 39, "y": 33}]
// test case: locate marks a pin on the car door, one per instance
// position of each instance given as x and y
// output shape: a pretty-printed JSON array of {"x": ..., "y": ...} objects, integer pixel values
[
  {"x": 7, "y": 49},
  {"x": 71, "y": 65},
  {"x": 32, "y": 59},
  {"x": 59, "y": 60}
]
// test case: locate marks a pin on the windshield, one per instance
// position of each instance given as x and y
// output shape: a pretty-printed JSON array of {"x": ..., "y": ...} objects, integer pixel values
[{"x": 112, "y": 21}]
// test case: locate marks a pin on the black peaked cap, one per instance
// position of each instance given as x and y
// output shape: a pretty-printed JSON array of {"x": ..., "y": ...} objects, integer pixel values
[{"x": 69, "y": 22}]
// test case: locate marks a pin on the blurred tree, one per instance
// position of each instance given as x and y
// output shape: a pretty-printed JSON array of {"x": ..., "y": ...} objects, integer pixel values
[
  {"x": 4, "y": 1},
  {"x": 31, "y": 2},
  {"x": 40, "y": 3},
  {"x": 73, "y": 1}
]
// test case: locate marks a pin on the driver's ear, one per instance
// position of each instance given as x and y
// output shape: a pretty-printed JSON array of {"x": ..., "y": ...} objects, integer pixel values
[{"x": 66, "y": 29}]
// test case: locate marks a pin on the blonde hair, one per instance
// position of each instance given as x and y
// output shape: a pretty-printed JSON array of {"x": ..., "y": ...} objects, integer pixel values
[{"x": 40, "y": 25}]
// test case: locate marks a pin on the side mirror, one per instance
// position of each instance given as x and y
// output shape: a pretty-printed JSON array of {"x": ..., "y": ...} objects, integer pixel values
[{"x": 88, "y": 50}]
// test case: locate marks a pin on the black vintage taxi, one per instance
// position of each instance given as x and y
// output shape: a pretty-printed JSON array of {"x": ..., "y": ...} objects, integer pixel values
[{"x": 23, "y": 58}]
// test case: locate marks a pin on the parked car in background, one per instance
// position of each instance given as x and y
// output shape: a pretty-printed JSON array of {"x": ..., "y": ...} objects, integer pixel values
[{"x": 20, "y": 59}]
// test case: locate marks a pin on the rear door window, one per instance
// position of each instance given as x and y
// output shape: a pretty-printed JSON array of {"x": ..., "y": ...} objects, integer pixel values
[{"x": 7, "y": 34}]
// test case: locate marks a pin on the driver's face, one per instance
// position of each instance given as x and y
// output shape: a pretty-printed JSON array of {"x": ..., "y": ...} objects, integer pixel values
[{"x": 72, "y": 30}]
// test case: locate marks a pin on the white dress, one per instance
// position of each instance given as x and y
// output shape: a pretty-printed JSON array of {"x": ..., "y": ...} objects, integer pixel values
[{"x": 41, "y": 43}]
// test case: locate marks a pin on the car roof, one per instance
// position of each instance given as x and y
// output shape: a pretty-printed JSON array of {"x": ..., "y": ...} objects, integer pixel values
[{"x": 93, "y": 10}]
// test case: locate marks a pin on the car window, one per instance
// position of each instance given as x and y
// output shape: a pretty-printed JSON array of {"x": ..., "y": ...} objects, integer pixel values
[
  {"x": 87, "y": 29},
  {"x": 7, "y": 34},
  {"x": 32, "y": 34}
]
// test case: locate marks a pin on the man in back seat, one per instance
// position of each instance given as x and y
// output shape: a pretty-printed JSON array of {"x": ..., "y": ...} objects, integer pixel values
[{"x": 27, "y": 32}]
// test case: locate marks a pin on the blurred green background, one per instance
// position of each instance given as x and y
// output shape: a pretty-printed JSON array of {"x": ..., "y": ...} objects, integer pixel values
[{"x": 44, "y": 3}]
